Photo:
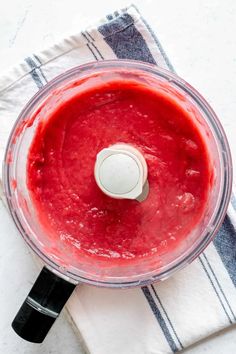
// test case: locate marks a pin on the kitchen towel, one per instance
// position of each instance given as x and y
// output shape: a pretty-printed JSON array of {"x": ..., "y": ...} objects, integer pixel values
[{"x": 161, "y": 318}]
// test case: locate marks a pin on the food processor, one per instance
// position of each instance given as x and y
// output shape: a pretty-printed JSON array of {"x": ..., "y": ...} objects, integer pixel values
[{"x": 120, "y": 172}]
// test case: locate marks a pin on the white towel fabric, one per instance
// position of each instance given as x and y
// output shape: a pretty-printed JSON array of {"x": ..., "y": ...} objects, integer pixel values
[{"x": 165, "y": 317}]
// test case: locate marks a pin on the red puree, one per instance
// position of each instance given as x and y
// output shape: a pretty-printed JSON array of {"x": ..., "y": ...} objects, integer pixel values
[{"x": 61, "y": 171}]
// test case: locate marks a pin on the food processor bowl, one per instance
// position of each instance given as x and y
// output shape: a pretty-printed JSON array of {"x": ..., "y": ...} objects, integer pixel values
[{"x": 61, "y": 268}]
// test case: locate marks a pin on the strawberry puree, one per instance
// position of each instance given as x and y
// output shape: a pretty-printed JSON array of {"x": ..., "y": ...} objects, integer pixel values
[{"x": 60, "y": 172}]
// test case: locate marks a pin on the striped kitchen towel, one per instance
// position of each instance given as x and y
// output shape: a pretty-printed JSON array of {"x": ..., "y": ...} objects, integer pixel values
[{"x": 161, "y": 318}]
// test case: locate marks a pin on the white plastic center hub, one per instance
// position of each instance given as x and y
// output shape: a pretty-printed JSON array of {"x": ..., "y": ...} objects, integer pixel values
[{"x": 121, "y": 171}]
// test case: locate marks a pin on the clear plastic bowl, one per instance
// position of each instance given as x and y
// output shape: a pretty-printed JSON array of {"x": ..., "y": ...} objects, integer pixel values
[{"x": 143, "y": 271}]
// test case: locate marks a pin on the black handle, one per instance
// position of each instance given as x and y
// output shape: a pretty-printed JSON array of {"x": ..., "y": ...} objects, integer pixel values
[{"x": 42, "y": 306}]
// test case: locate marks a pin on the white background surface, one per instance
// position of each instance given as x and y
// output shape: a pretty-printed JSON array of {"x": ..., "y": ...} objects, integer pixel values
[{"x": 199, "y": 38}]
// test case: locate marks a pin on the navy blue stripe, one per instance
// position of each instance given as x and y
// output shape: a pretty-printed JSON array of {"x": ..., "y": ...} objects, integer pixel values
[
  {"x": 33, "y": 73},
  {"x": 218, "y": 283},
  {"x": 89, "y": 46},
  {"x": 216, "y": 292},
  {"x": 159, "y": 46},
  {"x": 225, "y": 243},
  {"x": 125, "y": 40},
  {"x": 84, "y": 35},
  {"x": 157, "y": 314},
  {"x": 96, "y": 58},
  {"x": 98, "y": 51},
  {"x": 39, "y": 67},
  {"x": 91, "y": 43},
  {"x": 170, "y": 323},
  {"x": 92, "y": 51},
  {"x": 89, "y": 35}
]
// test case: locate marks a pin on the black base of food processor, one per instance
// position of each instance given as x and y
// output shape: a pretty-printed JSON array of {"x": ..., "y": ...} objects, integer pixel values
[{"x": 42, "y": 306}]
